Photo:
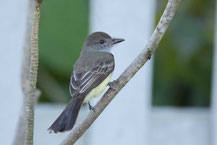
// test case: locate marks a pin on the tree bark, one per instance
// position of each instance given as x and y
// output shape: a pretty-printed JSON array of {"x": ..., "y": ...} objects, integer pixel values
[
  {"x": 19, "y": 138},
  {"x": 140, "y": 60},
  {"x": 31, "y": 86},
  {"x": 25, "y": 128}
]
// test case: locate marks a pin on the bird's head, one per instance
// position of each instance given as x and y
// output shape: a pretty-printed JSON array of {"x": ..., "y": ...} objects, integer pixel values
[{"x": 100, "y": 41}]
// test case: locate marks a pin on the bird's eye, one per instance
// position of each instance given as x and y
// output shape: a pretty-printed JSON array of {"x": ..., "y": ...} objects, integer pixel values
[{"x": 101, "y": 41}]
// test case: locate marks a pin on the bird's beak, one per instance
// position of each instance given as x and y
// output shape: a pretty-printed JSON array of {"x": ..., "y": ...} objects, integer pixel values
[{"x": 116, "y": 40}]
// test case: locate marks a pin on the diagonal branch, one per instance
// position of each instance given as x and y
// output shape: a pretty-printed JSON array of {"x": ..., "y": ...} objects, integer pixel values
[{"x": 140, "y": 60}]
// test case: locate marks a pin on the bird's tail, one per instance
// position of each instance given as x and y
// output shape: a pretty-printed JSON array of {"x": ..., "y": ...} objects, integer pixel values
[{"x": 68, "y": 117}]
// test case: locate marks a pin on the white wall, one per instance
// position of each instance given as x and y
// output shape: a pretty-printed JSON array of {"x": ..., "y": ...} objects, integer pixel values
[
  {"x": 12, "y": 28},
  {"x": 125, "y": 121}
]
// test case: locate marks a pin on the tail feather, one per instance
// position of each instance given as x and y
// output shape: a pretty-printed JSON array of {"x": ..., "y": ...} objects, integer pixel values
[{"x": 68, "y": 117}]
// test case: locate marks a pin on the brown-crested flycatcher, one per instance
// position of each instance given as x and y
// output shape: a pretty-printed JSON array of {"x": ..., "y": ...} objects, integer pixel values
[{"x": 91, "y": 74}]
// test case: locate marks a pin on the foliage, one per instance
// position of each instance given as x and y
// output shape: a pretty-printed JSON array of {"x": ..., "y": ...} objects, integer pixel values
[
  {"x": 63, "y": 27},
  {"x": 182, "y": 68}
]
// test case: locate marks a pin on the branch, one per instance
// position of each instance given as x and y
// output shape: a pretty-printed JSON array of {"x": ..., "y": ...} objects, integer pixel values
[
  {"x": 140, "y": 60},
  {"x": 31, "y": 83},
  {"x": 19, "y": 137}
]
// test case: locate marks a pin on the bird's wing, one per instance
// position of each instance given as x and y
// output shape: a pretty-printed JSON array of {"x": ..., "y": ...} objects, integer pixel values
[{"x": 83, "y": 82}]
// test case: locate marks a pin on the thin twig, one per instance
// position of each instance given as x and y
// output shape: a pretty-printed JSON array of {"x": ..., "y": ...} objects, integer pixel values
[
  {"x": 31, "y": 85},
  {"x": 19, "y": 137},
  {"x": 140, "y": 60}
]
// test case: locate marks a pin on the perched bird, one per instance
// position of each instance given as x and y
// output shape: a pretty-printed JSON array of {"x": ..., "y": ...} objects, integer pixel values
[{"x": 91, "y": 74}]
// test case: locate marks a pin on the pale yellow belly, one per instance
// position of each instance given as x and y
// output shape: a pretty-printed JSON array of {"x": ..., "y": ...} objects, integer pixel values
[{"x": 98, "y": 90}]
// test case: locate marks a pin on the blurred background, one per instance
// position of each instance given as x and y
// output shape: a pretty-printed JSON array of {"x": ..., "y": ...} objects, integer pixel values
[
  {"x": 183, "y": 64},
  {"x": 175, "y": 100}
]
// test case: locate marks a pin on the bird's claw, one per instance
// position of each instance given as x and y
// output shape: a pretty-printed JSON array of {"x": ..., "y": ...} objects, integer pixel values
[
  {"x": 111, "y": 85},
  {"x": 149, "y": 54},
  {"x": 91, "y": 107}
]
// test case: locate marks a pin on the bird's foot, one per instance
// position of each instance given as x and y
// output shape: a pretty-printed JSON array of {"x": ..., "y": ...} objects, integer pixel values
[
  {"x": 149, "y": 54},
  {"x": 111, "y": 85},
  {"x": 91, "y": 107}
]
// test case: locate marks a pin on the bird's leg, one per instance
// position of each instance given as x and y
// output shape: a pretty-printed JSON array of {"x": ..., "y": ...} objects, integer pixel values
[
  {"x": 149, "y": 54},
  {"x": 91, "y": 107},
  {"x": 111, "y": 85}
]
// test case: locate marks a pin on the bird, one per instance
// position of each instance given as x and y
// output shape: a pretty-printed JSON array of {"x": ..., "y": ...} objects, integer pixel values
[{"x": 90, "y": 76}]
